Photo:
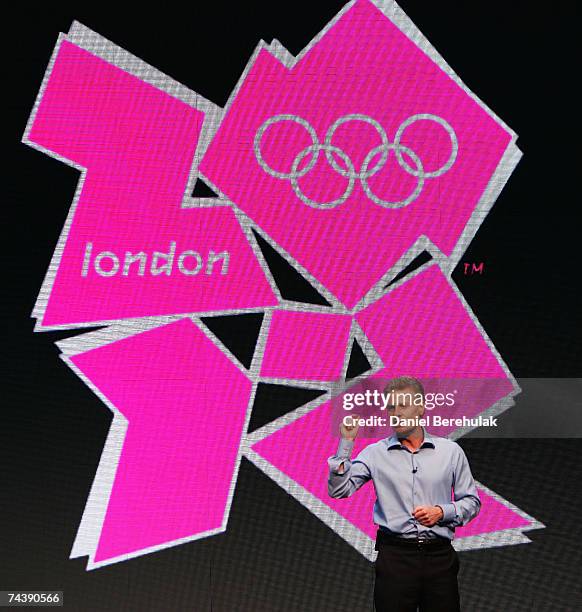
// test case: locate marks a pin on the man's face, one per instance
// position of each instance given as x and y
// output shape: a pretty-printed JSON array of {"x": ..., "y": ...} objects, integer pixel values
[{"x": 406, "y": 403}]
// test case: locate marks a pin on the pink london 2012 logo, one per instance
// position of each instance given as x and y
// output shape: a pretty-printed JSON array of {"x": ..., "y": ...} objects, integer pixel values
[{"x": 349, "y": 160}]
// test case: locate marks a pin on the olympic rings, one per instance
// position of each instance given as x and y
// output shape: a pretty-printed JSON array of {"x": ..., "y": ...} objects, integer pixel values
[
  {"x": 364, "y": 173},
  {"x": 315, "y": 148}
]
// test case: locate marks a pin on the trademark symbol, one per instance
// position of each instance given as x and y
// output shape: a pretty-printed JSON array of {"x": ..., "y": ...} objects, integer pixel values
[{"x": 474, "y": 268}]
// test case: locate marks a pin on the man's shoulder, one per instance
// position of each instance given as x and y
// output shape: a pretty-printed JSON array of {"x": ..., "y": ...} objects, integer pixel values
[
  {"x": 379, "y": 444},
  {"x": 449, "y": 447},
  {"x": 372, "y": 449},
  {"x": 441, "y": 440},
  {"x": 446, "y": 443}
]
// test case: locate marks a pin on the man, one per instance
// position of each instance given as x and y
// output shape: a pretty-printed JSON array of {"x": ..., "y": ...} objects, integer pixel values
[{"x": 424, "y": 490}]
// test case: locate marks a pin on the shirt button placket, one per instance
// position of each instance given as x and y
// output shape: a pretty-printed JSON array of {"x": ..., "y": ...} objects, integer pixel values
[{"x": 413, "y": 490}]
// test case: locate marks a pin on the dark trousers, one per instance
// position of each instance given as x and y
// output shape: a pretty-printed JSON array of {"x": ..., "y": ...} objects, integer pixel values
[{"x": 411, "y": 576}]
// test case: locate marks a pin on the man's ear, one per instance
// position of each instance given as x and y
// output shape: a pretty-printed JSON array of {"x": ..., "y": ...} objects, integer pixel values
[{"x": 422, "y": 410}]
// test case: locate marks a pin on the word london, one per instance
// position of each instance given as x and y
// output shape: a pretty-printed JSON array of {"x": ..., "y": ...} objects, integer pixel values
[{"x": 190, "y": 263}]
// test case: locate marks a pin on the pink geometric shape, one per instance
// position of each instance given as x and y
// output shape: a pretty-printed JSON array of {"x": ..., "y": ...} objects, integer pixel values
[
  {"x": 306, "y": 345},
  {"x": 364, "y": 65},
  {"x": 422, "y": 329},
  {"x": 494, "y": 516},
  {"x": 137, "y": 143},
  {"x": 301, "y": 448},
  {"x": 186, "y": 407}
]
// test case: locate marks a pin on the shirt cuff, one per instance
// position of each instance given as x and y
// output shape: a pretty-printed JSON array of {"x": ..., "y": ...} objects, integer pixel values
[
  {"x": 345, "y": 448},
  {"x": 449, "y": 513}
]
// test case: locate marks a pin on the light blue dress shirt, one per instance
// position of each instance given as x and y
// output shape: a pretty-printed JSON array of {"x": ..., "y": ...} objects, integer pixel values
[{"x": 436, "y": 474}]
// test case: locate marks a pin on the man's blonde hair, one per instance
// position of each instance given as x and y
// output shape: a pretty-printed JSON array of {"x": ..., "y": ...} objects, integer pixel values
[{"x": 405, "y": 382}]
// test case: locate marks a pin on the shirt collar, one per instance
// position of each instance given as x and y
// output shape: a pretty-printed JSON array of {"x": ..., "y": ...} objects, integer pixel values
[{"x": 394, "y": 442}]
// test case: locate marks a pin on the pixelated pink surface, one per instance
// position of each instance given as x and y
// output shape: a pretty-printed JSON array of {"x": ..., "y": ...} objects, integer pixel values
[
  {"x": 185, "y": 404},
  {"x": 301, "y": 449},
  {"x": 138, "y": 144},
  {"x": 184, "y": 400},
  {"x": 306, "y": 345},
  {"x": 364, "y": 64},
  {"x": 422, "y": 328}
]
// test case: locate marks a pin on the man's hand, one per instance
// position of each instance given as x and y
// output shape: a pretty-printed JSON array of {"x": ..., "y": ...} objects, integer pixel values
[
  {"x": 349, "y": 432},
  {"x": 428, "y": 515}
]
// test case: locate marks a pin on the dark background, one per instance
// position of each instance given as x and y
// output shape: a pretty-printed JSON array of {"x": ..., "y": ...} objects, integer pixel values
[{"x": 519, "y": 58}]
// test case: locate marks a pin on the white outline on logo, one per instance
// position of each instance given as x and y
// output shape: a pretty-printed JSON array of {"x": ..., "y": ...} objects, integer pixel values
[{"x": 90, "y": 528}]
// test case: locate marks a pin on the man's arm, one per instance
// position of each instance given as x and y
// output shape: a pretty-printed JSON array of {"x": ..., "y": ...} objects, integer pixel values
[
  {"x": 467, "y": 503},
  {"x": 345, "y": 476}
]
